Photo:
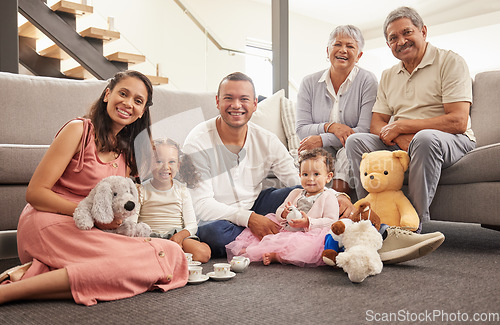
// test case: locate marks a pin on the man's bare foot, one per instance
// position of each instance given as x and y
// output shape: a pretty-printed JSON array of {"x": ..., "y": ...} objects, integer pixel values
[{"x": 269, "y": 258}]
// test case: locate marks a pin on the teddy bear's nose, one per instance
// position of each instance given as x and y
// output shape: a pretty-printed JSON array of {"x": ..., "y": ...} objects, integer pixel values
[
  {"x": 372, "y": 177},
  {"x": 129, "y": 206}
]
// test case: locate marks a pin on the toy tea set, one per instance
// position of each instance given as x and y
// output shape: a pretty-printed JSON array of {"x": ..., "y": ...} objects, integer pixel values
[{"x": 221, "y": 272}]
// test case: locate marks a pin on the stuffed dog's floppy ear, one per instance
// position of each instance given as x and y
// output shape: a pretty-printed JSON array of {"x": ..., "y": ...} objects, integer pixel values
[
  {"x": 133, "y": 188},
  {"x": 403, "y": 157},
  {"x": 102, "y": 209}
]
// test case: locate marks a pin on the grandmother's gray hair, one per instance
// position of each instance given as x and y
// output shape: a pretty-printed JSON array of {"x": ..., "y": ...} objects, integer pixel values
[
  {"x": 350, "y": 31},
  {"x": 403, "y": 12}
]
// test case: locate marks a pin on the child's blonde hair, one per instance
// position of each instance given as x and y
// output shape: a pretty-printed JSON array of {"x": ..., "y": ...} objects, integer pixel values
[
  {"x": 187, "y": 172},
  {"x": 315, "y": 153}
]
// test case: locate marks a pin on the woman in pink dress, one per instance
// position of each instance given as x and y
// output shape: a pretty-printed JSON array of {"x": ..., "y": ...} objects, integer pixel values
[
  {"x": 62, "y": 261},
  {"x": 300, "y": 241}
]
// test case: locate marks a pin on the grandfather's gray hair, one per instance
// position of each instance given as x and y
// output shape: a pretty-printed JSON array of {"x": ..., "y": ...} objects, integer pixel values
[
  {"x": 347, "y": 30},
  {"x": 403, "y": 12}
]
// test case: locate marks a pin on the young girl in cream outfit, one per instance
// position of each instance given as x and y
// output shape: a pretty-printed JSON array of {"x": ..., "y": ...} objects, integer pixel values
[{"x": 166, "y": 204}]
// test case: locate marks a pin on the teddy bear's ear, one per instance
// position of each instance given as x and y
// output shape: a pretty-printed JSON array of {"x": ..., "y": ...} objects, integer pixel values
[
  {"x": 403, "y": 157},
  {"x": 364, "y": 155}
]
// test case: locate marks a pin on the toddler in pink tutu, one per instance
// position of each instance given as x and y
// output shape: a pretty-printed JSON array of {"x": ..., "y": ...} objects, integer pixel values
[{"x": 319, "y": 208}]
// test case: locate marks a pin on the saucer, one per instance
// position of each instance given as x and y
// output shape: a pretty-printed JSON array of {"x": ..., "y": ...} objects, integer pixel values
[
  {"x": 204, "y": 277},
  {"x": 221, "y": 278},
  {"x": 194, "y": 263}
]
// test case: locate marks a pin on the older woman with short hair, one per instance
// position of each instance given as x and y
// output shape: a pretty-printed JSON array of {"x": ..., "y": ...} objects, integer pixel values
[{"x": 332, "y": 104}]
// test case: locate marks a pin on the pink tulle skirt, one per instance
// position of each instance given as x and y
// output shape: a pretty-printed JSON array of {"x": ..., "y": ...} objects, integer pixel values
[{"x": 293, "y": 247}]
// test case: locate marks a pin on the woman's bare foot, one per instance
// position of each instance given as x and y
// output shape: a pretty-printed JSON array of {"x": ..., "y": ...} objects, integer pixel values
[
  {"x": 16, "y": 273},
  {"x": 269, "y": 258}
]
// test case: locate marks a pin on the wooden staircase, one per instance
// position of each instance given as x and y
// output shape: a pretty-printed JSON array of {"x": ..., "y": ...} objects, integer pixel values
[{"x": 59, "y": 24}]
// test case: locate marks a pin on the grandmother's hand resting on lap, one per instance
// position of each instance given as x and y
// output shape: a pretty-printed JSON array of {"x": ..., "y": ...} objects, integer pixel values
[
  {"x": 311, "y": 142},
  {"x": 341, "y": 131}
]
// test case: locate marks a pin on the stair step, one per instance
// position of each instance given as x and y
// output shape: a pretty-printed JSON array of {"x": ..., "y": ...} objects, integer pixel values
[
  {"x": 29, "y": 30},
  {"x": 156, "y": 80},
  {"x": 103, "y": 34},
  {"x": 126, "y": 57},
  {"x": 79, "y": 73},
  {"x": 55, "y": 52},
  {"x": 72, "y": 8}
]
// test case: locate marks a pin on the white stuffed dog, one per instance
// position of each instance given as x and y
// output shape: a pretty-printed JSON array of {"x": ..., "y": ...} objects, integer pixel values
[
  {"x": 113, "y": 197},
  {"x": 361, "y": 243}
]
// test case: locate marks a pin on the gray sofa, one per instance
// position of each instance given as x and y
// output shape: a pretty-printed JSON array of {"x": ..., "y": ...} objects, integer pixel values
[
  {"x": 469, "y": 191},
  {"x": 34, "y": 108}
]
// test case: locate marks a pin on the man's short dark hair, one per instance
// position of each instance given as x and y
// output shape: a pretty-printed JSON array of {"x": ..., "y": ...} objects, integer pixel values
[{"x": 237, "y": 76}]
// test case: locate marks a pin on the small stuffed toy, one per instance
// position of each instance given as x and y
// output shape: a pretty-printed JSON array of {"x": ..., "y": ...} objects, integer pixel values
[
  {"x": 334, "y": 239},
  {"x": 382, "y": 175},
  {"x": 113, "y": 197},
  {"x": 360, "y": 257}
]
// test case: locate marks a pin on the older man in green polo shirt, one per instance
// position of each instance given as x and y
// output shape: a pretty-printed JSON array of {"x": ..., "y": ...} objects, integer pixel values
[{"x": 422, "y": 107}]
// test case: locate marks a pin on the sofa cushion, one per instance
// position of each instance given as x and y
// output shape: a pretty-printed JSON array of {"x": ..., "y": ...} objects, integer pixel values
[
  {"x": 479, "y": 165},
  {"x": 485, "y": 110},
  {"x": 19, "y": 162},
  {"x": 175, "y": 113},
  {"x": 38, "y": 106},
  {"x": 12, "y": 201},
  {"x": 288, "y": 121},
  {"x": 268, "y": 115}
]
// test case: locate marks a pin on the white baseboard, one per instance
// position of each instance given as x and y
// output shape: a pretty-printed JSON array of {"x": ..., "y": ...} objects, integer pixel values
[{"x": 8, "y": 244}]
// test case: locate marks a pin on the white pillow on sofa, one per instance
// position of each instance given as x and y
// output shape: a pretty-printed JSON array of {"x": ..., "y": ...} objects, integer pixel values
[
  {"x": 288, "y": 122},
  {"x": 268, "y": 115}
]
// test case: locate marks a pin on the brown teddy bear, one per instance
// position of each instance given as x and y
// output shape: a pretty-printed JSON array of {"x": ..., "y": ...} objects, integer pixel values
[{"x": 382, "y": 175}]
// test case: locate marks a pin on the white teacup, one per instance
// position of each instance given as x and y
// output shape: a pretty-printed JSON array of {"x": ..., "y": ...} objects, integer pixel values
[
  {"x": 239, "y": 263},
  {"x": 221, "y": 269},
  {"x": 189, "y": 257},
  {"x": 195, "y": 272}
]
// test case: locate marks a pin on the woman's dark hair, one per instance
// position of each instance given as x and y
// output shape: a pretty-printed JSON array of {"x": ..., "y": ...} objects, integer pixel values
[
  {"x": 187, "y": 172},
  {"x": 124, "y": 143}
]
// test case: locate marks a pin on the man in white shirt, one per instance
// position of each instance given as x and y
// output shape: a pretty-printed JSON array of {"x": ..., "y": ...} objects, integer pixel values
[{"x": 233, "y": 157}]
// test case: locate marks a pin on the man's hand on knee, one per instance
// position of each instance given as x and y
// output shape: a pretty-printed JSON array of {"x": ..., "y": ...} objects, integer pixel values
[{"x": 261, "y": 226}]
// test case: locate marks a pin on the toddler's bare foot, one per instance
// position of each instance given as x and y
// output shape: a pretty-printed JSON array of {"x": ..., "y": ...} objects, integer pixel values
[{"x": 269, "y": 258}]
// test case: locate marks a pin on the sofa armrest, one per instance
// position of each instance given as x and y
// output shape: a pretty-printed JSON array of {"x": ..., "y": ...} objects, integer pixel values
[{"x": 478, "y": 165}]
